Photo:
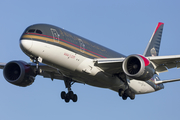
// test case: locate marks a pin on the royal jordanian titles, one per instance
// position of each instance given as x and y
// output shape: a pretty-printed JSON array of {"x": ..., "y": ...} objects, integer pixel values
[{"x": 58, "y": 54}]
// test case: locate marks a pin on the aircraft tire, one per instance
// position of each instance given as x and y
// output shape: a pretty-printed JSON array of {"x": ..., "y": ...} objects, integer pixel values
[
  {"x": 124, "y": 97},
  {"x": 121, "y": 92},
  {"x": 132, "y": 96},
  {"x": 127, "y": 92},
  {"x": 63, "y": 95},
  {"x": 74, "y": 99},
  {"x": 67, "y": 99},
  {"x": 70, "y": 94}
]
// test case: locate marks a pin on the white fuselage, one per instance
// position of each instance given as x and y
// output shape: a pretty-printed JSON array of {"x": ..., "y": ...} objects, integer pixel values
[{"x": 78, "y": 67}]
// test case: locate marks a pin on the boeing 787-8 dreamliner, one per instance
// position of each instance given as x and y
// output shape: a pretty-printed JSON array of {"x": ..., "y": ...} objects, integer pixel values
[{"x": 58, "y": 54}]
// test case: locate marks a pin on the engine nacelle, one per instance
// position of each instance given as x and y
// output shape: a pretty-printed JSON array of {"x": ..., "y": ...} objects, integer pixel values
[
  {"x": 19, "y": 73},
  {"x": 138, "y": 67}
]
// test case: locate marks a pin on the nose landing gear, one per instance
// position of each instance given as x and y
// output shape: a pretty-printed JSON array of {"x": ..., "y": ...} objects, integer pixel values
[{"x": 37, "y": 60}]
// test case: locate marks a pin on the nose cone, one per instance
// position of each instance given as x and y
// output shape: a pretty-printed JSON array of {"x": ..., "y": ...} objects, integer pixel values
[{"x": 26, "y": 44}]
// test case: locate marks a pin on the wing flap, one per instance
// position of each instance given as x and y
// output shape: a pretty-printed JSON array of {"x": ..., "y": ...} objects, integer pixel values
[{"x": 161, "y": 69}]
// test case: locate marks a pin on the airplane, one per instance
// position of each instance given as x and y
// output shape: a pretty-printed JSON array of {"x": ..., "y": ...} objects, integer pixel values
[{"x": 56, "y": 53}]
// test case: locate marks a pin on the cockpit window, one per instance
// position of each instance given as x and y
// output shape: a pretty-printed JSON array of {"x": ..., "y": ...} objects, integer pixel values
[
  {"x": 35, "y": 31},
  {"x": 39, "y": 31},
  {"x": 31, "y": 30}
]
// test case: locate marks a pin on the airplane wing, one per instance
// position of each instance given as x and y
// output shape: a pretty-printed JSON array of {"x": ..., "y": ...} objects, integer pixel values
[
  {"x": 163, "y": 63},
  {"x": 2, "y": 65},
  {"x": 114, "y": 66},
  {"x": 47, "y": 71}
]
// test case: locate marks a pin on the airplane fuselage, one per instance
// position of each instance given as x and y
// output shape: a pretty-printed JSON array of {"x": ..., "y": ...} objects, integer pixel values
[{"x": 74, "y": 57}]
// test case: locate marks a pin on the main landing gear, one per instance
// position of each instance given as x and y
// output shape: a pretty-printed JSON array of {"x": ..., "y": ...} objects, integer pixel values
[
  {"x": 125, "y": 94},
  {"x": 68, "y": 82},
  {"x": 70, "y": 95}
]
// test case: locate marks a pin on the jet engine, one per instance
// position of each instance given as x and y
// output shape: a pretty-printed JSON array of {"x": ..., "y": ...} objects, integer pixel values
[
  {"x": 19, "y": 73},
  {"x": 138, "y": 67}
]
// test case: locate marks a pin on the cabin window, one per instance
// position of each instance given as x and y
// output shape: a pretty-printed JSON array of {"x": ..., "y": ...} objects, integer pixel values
[{"x": 39, "y": 31}]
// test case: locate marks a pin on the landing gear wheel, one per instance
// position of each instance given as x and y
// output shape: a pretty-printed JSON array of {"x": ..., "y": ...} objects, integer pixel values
[
  {"x": 70, "y": 94},
  {"x": 74, "y": 99},
  {"x": 63, "y": 95},
  {"x": 121, "y": 92},
  {"x": 127, "y": 92},
  {"x": 67, "y": 99},
  {"x": 124, "y": 97},
  {"x": 132, "y": 96}
]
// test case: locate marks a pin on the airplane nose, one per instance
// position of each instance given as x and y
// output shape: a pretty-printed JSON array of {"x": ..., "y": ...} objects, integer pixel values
[{"x": 26, "y": 44}]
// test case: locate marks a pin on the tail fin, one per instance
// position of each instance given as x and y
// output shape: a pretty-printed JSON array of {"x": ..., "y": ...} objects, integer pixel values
[{"x": 153, "y": 46}]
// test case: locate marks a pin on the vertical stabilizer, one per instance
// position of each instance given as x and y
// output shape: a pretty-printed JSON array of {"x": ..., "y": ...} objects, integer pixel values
[{"x": 153, "y": 46}]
